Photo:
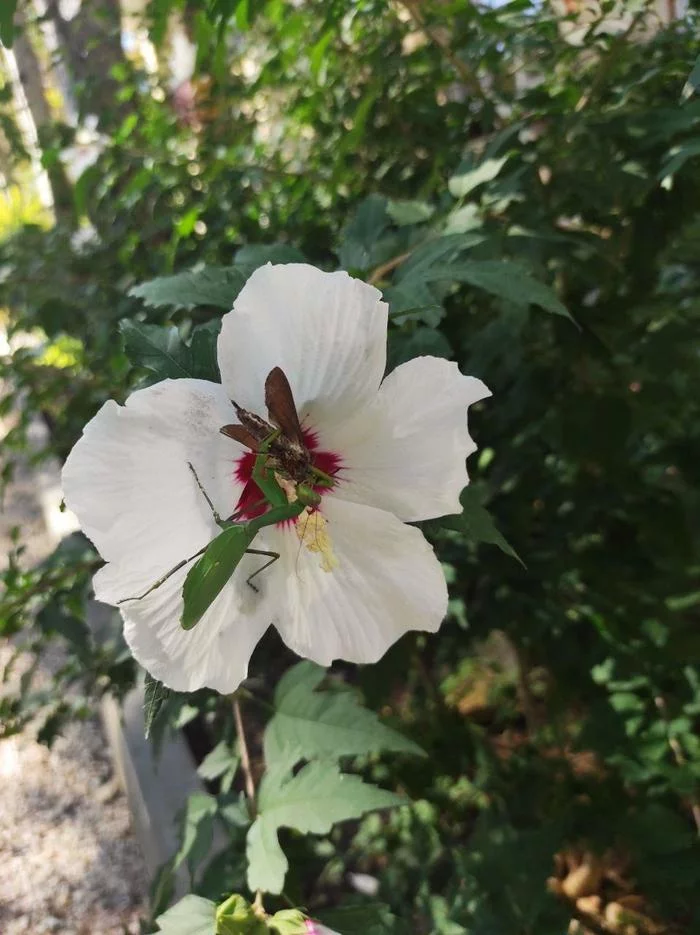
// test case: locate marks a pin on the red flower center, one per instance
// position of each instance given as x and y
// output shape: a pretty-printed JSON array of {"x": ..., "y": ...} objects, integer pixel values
[{"x": 252, "y": 503}]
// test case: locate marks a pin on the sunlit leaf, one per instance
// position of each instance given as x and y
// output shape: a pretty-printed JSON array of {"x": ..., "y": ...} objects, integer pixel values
[
  {"x": 404, "y": 213},
  {"x": 464, "y": 182},
  {"x": 309, "y": 723},
  {"x": 220, "y": 763},
  {"x": 193, "y": 915},
  {"x": 198, "y": 829},
  {"x": 212, "y": 285},
  {"x": 313, "y": 800}
]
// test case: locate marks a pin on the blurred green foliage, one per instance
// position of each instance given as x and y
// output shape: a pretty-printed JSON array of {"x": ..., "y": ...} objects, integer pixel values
[{"x": 491, "y": 179}]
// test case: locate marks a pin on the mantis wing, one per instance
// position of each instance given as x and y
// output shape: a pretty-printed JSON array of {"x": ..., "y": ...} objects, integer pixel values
[{"x": 209, "y": 574}]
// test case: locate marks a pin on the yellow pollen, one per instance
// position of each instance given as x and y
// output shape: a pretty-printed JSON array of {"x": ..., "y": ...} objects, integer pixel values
[
  {"x": 288, "y": 487},
  {"x": 312, "y": 530}
]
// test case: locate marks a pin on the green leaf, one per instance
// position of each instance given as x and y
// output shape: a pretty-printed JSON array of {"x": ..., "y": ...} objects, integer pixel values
[
  {"x": 7, "y": 18},
  {"x": 693, "y": 82},
  {"x": 464, "y": 182},
  {"x": 126, "y": 128},
  {"x": 203, "y": 357},
  {"x": 444, "y": 249},
  {"x": 156, "y": 694},
  {"x": 187, "y": 223},
  {"x": 211, "y": 571},
  {"x": 85, "y": 186},
  {"x": 193, "y": 915},
  {"x": 161, "y": 350},
  {"x": 185, "y": 713},
  {"x": 198, "y": 829},
  {"x": 412, "y": 300},
  {"x": 478, "y": 524},
  {"x": 461, "y": 220},
  {"x": 234, "y": 810},
  {"x": 501, "y": 278},
  {"x": 51, "y": 619},
  {"x": 309, "y": 724},
  {"x": 361, "y": 233},
  {"x": 212, "y": 285},
  {"x": 677, "y": 158},
  {"x": 405, "y": 213},
  {"x": 222, "y": 761},
  {"x": 363, "y": 919},
  {"x": 312, "y": 801}
]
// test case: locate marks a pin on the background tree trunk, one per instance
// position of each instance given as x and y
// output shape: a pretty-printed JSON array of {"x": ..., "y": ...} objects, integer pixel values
[
  {"x": 91, "y": 44},
  {"x": 35, "y": 121}
]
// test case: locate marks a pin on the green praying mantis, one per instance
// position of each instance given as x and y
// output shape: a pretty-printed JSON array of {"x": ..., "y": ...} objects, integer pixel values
[{"x": 280, "y": 453}]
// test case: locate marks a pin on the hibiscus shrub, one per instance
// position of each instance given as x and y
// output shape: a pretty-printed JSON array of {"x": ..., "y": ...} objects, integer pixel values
[{"x": 528, "y": 208}]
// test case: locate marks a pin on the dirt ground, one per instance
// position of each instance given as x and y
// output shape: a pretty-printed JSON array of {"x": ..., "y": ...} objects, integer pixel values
[{"x": 70, "y": 863}]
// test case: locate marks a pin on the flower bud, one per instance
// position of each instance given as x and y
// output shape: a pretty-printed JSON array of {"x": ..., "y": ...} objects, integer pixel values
[{"x": 235, "y": 916}]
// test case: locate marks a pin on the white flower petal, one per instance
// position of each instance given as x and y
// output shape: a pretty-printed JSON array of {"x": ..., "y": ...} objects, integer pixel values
[
  {"x": 407, "y": 453},
  {"x": 213, "y": 654},
  {"x": 128, "y": 481},
  {"x": 327, "y": 332},
  {"x": 387, "y": 581}
]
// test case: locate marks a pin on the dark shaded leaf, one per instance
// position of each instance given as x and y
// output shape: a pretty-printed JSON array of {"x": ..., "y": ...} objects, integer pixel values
[
  {"x": 7, "y": 17},
  {"x": 161, "y": 350},
  {"x": 155, "y": 696},
  {"x": 501, "y": 278},
  {"x": 363, "y": 919},
  {"x": 357, "y": 251},
  {"x": 478, "y": 524}
]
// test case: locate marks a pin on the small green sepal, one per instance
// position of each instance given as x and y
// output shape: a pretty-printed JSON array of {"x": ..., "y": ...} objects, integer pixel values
[
  {"x": 236, "y": 916},
  {"x": 288, "y": 922}
]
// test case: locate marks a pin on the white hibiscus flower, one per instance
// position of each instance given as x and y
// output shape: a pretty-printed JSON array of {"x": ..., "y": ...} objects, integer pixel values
[{"x": 352, "y": 577}]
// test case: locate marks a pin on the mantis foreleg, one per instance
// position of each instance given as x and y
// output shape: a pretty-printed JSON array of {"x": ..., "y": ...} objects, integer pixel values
[
  {"x": 273, "y": 556},
  {"x": 216, "y": 516},
  {"x": 165, "y": 577}
]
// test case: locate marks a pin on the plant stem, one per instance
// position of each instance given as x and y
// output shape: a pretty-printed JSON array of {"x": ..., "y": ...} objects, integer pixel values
[
  {"x": 249, "y": 783},
  {"x": 245, "y": 756},
  {"x": 380, "y": 272}
]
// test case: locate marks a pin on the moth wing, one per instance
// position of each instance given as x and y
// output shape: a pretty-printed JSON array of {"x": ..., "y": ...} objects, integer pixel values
[{"x": 281, "y": 407}]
